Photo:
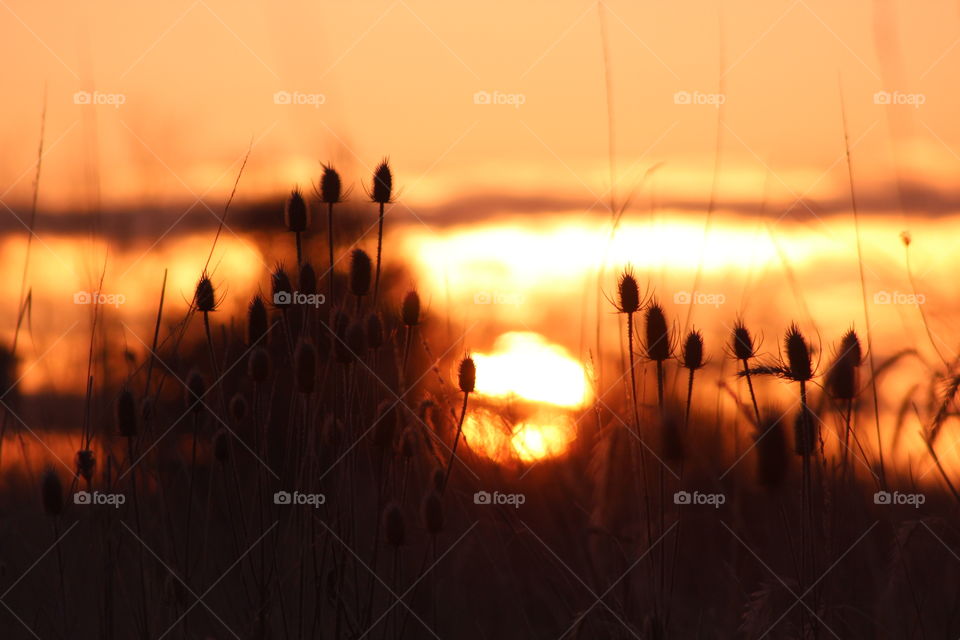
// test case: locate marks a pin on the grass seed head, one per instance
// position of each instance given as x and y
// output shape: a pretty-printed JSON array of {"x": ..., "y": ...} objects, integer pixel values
[
  {"x": 126, "y": 414},
  {"x": 382, "y": 183},
  {"x": 658, "y": 334},
  {"x": 330, "y": 185},
  {"x": 467, "y": 375},
  {"x": 295, "y": 215},
  {"x": 51, "y": 492},
  {"x": 410, "y": 309}
]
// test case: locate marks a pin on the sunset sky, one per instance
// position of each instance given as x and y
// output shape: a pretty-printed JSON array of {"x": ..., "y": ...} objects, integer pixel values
[{"x": 196, "y": 82}]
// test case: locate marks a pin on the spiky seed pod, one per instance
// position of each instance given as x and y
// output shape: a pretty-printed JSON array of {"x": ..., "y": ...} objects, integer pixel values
[
  {"x": 221, "y": 446},
  {"x": 126, "y": 414},
  {"x": 773, "y": 457},
  {"x": 387, "y": 426},
  {"x": 394, "y": 526},
  {"x": 658, "y": 335},
  {"x": 307, "y": 279},
  {"x": 360, "y": 270},
  {"x": 330, "y": 185},
  {"x": 805, "y": 433},
  {"x": 86, "y": 462},
  {"x": 743, "y": 348},
  {"x": 357, "y": 339},
  {"x": 693, "y": 351},
  {"x": 628, "y": 293},
  {"x": 281, "y": 288},
  {"x": 409, "y": 440},
  {"x": 295, "y": 214},
  {"x": 258, "y": 366},
  {"x": 432, "y": 512},
  {"x": 256, "y": 320},
  {"x": 51, "y": 492},
  {"x": 799, "y": 367},
  {"x": 374, "y": 332},
  {"x": 410, "y": 309},
  {"x": 306, "y": 367},
  {"x": 842, "y": 378},
  {"x": 238, "y": 407},
  {"x": 196, "y": 389},
  {"x": 341, "y": 351},
  {"x": 205, "y": 298},
  {"x": 382, "y": 183},
  {"x": 467, "y": 375}
]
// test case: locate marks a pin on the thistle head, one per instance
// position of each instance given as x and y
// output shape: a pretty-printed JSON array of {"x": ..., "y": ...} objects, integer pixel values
[
  {"x": 281, "y": 288},
  {"x": 205, "y": 298},
  {"x": 693, "y": 351},
  {"x": 360, "y": 272},
  {"x": 658, "y": 334},
  {"x": 467, "y": 375},
  {"x": 742, "y": 342},
  {"x": 410, "y": 309},
  {"x": 295, "y": 214},
  {"x": 256, "y": 320},
  {"x": 628, "y": 293},
  {"x": 51, "y": 492},
  {"x": 126, "y": 414},
  {"x": 382, "y": 187},
  {"x": 799, "y": 366},
  {"x": 330, "y": 185}
]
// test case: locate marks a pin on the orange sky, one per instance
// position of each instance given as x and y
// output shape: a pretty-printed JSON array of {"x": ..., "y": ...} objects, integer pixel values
[{"x": 197, "y": 80}]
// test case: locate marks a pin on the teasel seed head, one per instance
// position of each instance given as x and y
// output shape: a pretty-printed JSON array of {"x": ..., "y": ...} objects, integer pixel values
[
  {"x": 842, "y": 378},
  {"x": 205, "y": 298},
  {"x": 743, "y": 348},
  {"x": 85, "y": 462},
  {"x": 306, "y": 367},
  {"x": 467, "y": 375},
  {"x": 693, "y": 351},
  {"x": 628, "y": 293},
  {"x": 382, "y": 188},
  {"x": 51, "y": 491},
  {"x": 196, "y": 389},
  {"x": 330, "y": 185},
  {"x": 799, "y": 366},
  {"x": 658, "y": 335},
  {"x": 432, "y": 512},
  {"x": 360, "y": 272},
  {"x": 394, "y": 526},
  {"x": 126, "y": 414},
  {"x": 410, "y": 309},
  {"x": 281, "y": 288},
  {"x": 295, "y": 214},
  {"x": 258, "y": 366},
  {"x": 257, "y": 321},
  {"x": 307, "y": 279}
]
